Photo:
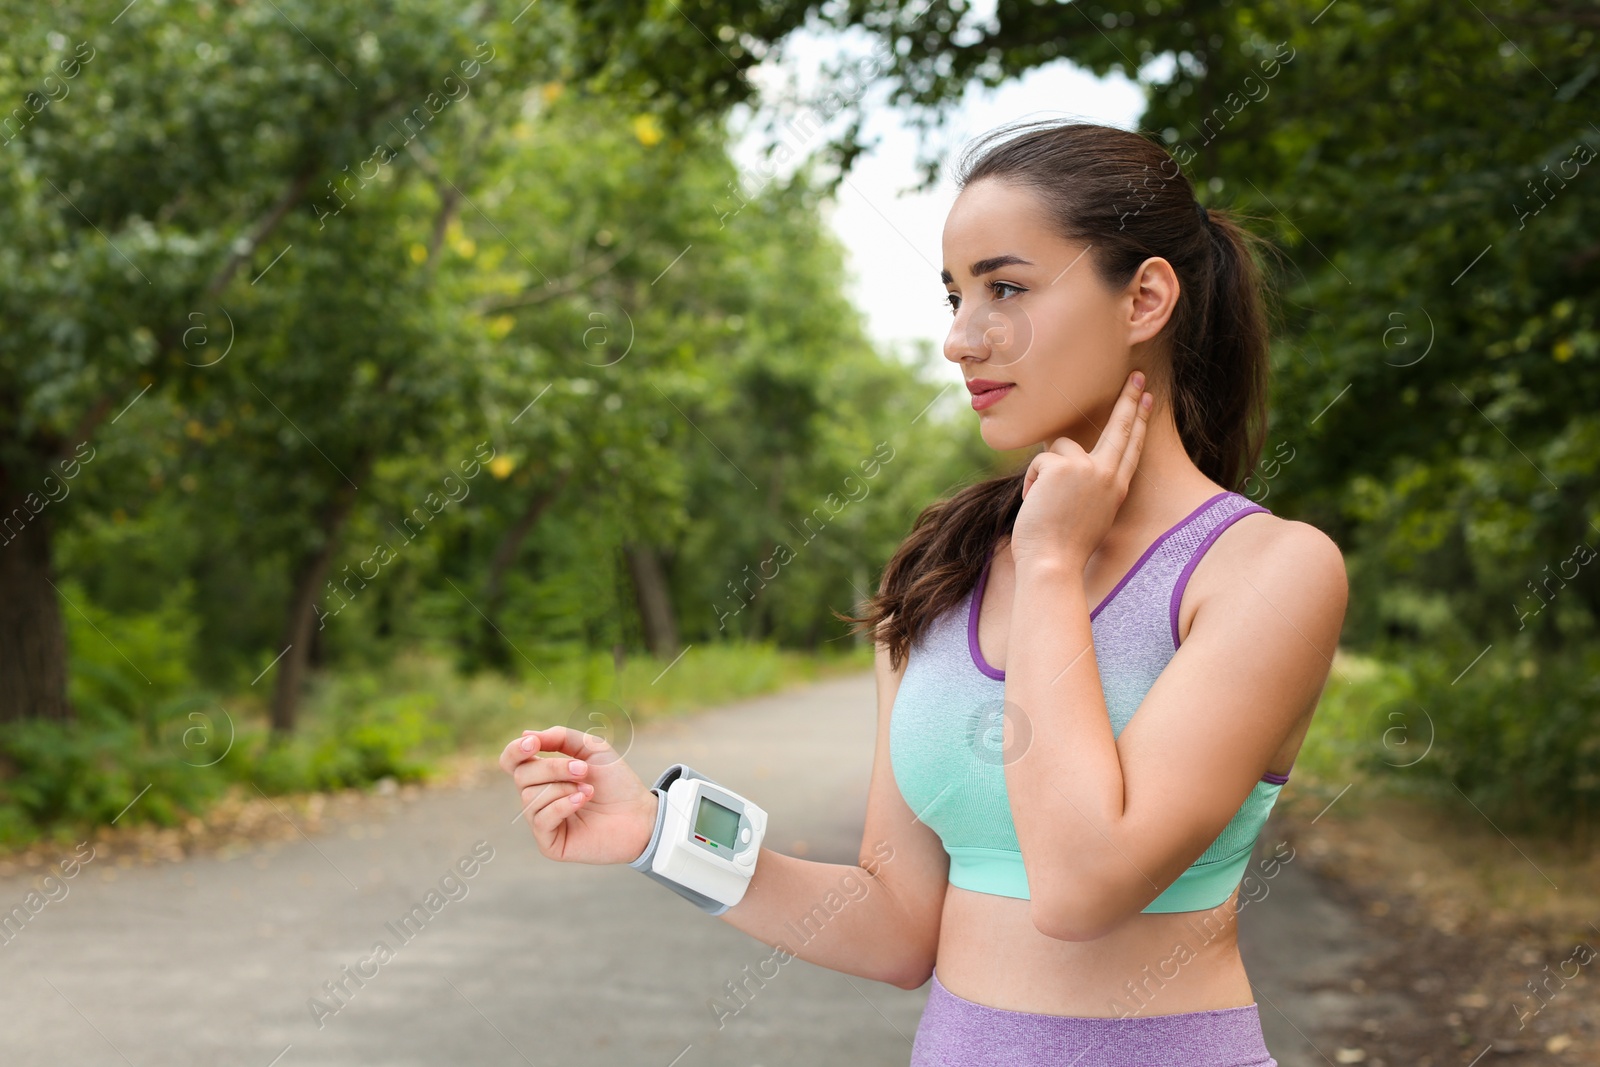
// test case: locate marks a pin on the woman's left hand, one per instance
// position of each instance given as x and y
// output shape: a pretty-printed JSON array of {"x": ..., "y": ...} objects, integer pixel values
[{"x": 1070, "y": 496}]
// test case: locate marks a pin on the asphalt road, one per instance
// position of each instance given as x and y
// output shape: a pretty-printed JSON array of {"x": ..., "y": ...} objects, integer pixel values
[{"x": 221, "y": 959}]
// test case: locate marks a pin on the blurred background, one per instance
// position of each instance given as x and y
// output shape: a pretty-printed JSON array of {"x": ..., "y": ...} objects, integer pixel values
[{"x": 379, "y": 380}]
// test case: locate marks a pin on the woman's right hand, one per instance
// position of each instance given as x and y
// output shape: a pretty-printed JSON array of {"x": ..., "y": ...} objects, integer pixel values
[{"x": 603, "y": 813}]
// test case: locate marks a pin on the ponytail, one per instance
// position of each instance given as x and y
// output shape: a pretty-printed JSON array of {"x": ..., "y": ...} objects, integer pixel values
[{"x": 1219, "y": 386}]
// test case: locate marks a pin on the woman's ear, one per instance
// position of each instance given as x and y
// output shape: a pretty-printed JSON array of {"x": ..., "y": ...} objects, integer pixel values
[{"x": 1153, "y": 296}]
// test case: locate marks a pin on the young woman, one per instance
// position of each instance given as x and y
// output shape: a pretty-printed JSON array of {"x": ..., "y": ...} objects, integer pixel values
[{"x": 1064, "y": 870}]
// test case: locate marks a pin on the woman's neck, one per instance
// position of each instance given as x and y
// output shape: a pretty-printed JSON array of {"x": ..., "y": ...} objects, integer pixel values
[{"x": 1166, "y": 486}]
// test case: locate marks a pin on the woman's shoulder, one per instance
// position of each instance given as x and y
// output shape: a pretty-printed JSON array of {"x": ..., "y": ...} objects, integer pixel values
[
  {"x": 1289, "y": 541},
  {"x": 1285, "y": 560}
]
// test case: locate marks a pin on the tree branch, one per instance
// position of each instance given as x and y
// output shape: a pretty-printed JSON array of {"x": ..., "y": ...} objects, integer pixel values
[
  {"x": 1555, "y": 18},
  {"x": 291, "y": 196},
  {"x": 563, "y": 287}
]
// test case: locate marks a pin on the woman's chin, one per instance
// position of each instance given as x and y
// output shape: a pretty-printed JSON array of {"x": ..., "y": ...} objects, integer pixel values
[{"x": 1003, "y": 438}]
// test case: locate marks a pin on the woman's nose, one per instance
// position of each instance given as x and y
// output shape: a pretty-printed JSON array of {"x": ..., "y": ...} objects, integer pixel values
[{"x": 1002, "y": 336}]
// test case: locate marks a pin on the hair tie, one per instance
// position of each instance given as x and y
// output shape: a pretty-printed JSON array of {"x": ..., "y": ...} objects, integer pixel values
[{"x": 1205, "y": 216}]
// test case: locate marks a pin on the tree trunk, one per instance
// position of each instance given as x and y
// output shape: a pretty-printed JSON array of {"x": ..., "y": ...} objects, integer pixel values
[
  {"x": 308, "y": 576},
  {"x": 316, "y": 651},
  {"x": 33, "y": 639},
  {"x": 505, "y": 554},
  {"x": 654, "y": 600}
]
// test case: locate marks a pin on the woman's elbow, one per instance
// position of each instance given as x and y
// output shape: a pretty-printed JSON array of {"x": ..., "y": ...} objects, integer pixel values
[
  {"x": 911, "y": 965},
  {"x": 917, "y": 964},
  {"x": 1064, "y": 928},
  {"x": 1071, "y": 917},
  {"x": 915, "y": 979}
]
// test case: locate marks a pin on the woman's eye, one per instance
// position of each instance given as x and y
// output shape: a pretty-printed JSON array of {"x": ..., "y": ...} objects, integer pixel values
[{"x": 954, "y": 299}]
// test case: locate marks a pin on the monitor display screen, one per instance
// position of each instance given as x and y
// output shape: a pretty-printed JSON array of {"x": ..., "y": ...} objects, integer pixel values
[{"x": 716, "y": 823}]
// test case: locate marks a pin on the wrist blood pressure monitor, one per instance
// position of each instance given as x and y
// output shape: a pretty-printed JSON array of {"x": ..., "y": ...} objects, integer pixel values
[{"x": 705, "y": 842}]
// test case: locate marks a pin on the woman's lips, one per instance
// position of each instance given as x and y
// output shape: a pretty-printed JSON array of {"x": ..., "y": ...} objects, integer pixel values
[{"x": 987, "y": 397}]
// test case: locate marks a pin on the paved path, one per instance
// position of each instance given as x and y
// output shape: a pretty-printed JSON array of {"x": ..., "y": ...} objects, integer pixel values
[
  {"x": 1300, "y": 950},
  {"x": 215, "y": 960}
]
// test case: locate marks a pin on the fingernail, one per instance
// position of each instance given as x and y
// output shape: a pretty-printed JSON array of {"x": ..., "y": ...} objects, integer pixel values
[
  {"x": 577, "y": 766},
  {"x": 1146, "y": 400},
  {"x": 587, "y": 787},
  {"x": 527, "y": 744},
  {"x": 1138, "y": 379}
]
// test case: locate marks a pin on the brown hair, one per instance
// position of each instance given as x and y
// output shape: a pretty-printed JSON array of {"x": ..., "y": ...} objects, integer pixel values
[{"x": 1126, "y": 197}]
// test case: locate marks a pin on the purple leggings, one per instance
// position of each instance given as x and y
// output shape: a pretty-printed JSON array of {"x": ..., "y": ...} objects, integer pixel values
[{"x": 957, "y": 1032}]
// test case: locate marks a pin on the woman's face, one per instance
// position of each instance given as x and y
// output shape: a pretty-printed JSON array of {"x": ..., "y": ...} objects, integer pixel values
[{"x": 1031, "y": 313}]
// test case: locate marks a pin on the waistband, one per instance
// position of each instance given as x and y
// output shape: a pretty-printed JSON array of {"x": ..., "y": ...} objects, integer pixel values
[{"x": 957, "y": 1031}]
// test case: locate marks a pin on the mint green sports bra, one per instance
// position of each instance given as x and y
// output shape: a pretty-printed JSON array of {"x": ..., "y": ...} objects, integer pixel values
[{"x": 946, "y": 725}]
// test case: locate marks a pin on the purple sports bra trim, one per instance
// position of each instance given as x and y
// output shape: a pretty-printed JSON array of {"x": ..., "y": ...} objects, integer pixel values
[
  {"x": 972, "y": 625},
  {"x": 975, "y": 607},
  {"x": 983, "y": 579},
  {"x": 1194, "y": 560},
  {"x": 1157, "y": 543},
  {"x": 972, "y": 628}
]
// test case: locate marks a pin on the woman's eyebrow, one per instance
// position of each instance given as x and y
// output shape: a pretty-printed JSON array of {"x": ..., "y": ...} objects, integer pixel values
[{"x": 984, "y": 266}]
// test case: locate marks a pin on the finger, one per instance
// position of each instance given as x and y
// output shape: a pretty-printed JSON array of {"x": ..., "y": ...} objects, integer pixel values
[
  {"x": 574, "y": 743},
  {"x": 537, "y": 798},
  {"x": 520, "y": 749},
  {"x": 561, "y": 768},
  {"x": 1114, "y": 438},
  {"x": 1066, "y": 446},
  {"x": 533, "y": 798},
  {"x": 548, "y": 817},
  {"x": 1141, "y": 426},
  {"x": 1036, "y": 467},
  {"x": 514, "y": 752}
]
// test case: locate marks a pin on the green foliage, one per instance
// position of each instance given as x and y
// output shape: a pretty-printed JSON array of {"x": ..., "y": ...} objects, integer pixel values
[
  {"x": 1514, "y": 732},
  {"x": 142, "y": 730},
  {"x": 132, "y": 667},
  {"x": 1517, "y": 733},
  {"x": 432, "y": 365},
  {"x": 362, "y": 736},
  {"x": 80, "y": 775},
  {"x": 363, "y": 725},
  {"x": 1351, "y": 734}
]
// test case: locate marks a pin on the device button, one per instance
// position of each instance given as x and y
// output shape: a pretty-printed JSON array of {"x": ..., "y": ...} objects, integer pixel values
[
  {"x": 744, "y": 835},
  {"x": 745, "y": 859}
]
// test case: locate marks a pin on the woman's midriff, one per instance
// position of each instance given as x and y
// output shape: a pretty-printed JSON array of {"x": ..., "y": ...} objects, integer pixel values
[{"x": 1153, "y": 964}]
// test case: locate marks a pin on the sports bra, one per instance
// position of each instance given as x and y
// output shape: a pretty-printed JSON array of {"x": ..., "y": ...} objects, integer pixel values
[{"x": 946, "y": 724}]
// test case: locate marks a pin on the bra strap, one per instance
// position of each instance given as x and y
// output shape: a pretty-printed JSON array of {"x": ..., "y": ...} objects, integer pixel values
[{"x": 1228, "y": 509}]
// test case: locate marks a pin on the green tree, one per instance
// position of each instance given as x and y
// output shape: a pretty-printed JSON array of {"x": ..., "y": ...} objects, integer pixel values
[{"x": 164, "y": 165}]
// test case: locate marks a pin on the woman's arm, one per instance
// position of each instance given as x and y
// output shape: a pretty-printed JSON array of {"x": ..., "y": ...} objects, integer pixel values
[
  {"x": 1108, "y": 823},
  {"x": 878, "y": 919}
]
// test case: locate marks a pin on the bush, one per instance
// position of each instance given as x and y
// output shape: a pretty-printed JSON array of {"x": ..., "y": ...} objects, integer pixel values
[
  {"x": 136, "y": 740},
  {"x": 1519, "y": 733},
  {"x": 1354, "y": 732},
  {"x": 145, "y": 731},
  {"x": 73, "y": 774}
]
